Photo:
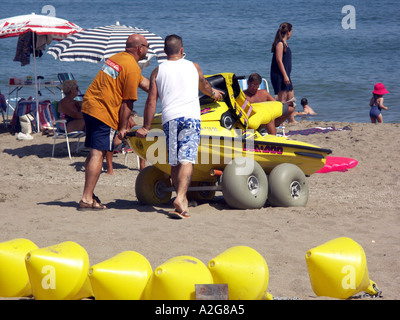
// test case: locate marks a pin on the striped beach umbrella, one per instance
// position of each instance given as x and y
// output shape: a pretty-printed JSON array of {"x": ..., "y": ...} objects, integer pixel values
[{"x": 98, "y": 44}]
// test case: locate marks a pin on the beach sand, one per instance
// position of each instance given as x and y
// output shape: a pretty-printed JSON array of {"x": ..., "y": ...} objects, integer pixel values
[{"x": 39, "y": 195}]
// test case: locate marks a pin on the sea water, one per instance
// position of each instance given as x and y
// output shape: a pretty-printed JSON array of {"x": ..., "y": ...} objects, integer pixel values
[{"x": 340, "y": 49}]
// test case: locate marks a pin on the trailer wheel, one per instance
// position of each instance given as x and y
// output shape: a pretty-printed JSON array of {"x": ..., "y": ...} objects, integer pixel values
[
  {"x": 288, "y": 186},
  {"x": 205, "y": 195},
  {"x": 150, "y": 186},
  {"x": 244, "y": 184}
]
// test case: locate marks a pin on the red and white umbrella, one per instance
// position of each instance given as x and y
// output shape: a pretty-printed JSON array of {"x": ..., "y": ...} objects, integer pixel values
[
  {"x": 40, "y": 24},
  {"x": 57, "y": 28}
]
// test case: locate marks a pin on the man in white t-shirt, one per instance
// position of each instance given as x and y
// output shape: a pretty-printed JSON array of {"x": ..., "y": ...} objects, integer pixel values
[{"x": 177, "y": 82}]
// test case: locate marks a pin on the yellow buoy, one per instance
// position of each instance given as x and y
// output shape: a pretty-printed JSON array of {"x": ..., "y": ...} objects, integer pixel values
[
  {"x": 176, "y": 278},
  {"x": 59, "y": 272},
  {"x": 244, "y": 270},
  {"x": 122, "y": 277},
  {"x": 338, "y": 269},
  {"x": 14, "y": 280}
]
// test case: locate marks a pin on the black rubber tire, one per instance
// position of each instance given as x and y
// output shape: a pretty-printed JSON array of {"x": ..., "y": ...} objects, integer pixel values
[
  {"x": 201, "y": 195},
  {"x": 244, "y": 184},
  {"x": 288, "y": 186},
  {"x": 149, "y": 185}
]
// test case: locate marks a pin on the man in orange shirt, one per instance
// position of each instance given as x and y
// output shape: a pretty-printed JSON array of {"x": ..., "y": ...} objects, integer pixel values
[{"x": 106, "y": 108}]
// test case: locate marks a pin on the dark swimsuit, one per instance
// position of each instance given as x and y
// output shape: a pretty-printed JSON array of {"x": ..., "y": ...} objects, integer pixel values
[
  {"x": 375, "y": 110},
  {"x": 68, "y": 118},
  {"x": 276, "y": 76}
]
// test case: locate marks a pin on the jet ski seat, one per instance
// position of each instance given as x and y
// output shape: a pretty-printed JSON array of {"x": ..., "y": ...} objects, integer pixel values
[{"x": 249, "y": 115}]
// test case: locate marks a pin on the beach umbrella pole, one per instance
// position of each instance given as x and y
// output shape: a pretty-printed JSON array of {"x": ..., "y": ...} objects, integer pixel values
[{"x": 36, "y": 84}]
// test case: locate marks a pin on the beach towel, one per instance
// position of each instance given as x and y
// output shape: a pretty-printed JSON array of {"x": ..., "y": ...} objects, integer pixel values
[
  {"x": 46, "y": 116},
  {"x": 306, "y": 132}
]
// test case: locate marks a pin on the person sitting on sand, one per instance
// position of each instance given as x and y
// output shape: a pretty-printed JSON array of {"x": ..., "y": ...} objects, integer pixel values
[
  {"x": 254, "y": 94},
  {"x": 69, "y": 108}
]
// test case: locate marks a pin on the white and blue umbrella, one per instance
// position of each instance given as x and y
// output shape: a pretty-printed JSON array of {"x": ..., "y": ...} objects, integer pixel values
[{"x": 98, "y": 44}]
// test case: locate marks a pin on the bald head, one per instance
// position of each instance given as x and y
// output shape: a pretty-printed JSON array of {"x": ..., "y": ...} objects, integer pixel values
[
  {"x": 135, "y": 40},
  {"x": 137, "y": 46}
]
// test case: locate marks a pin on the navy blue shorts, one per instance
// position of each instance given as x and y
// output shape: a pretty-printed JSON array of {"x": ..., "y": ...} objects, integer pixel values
[{"x": 98, "y": 135}]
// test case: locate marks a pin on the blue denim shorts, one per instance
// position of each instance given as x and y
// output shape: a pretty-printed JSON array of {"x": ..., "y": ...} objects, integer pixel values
[
  {"x": 98, "y": 135},
  {"x": 183, "y": 137}
]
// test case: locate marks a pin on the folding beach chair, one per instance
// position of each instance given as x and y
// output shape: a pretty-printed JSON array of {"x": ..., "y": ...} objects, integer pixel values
[
  {"x": 6, "y": 106},
  {"x": 28, "y": 107},
  {"x": 263, "y": 84},
  {"x": 3, "y": 107},
  {"x": 69, "y": 76},
  {"x": 60, "y": 132}
]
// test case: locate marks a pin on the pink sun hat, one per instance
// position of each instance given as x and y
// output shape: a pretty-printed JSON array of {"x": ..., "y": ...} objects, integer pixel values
[{"x": 380, "y": 89}]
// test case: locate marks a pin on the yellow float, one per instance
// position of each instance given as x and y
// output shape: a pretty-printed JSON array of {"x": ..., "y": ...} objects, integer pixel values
[
  {"x": 122, "y": 277},
  {"x": 244, "y": 270},
  {"x": 176, "y": 278},
  {"x": 338, "y": 269},
  {"x": 59, "y": 272},
  {"x": 14, "y": 280}
]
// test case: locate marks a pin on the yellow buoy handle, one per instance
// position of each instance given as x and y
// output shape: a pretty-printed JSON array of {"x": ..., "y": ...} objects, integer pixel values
[
  {"x": 268, "y": 296},
  {"x": 373, "y": 289}
]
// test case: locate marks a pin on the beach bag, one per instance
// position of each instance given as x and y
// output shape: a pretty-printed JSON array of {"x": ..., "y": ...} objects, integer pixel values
[{"x": 25, "y": 123}]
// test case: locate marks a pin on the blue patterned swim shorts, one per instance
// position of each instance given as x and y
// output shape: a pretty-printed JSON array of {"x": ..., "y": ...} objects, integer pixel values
[{"x": 183, "y": 137}]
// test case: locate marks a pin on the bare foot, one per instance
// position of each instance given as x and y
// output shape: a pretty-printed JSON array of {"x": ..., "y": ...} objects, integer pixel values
[{"x": 181, "y": 205}]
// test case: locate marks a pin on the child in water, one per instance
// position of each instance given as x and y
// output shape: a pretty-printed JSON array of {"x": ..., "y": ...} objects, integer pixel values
[
  {"x": 307, "y": 111},
  {"x": 376, "y": 103}
]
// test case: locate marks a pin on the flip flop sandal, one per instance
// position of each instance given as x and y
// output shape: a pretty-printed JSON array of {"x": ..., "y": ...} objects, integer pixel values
[
  {"x": 96, "y": 198},
  {"x": 94, "y": 206},
  {"x": 178, "y": 215}
]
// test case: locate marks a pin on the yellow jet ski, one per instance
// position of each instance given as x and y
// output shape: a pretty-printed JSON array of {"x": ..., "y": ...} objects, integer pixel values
[{"x": 233, "y": 157}]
